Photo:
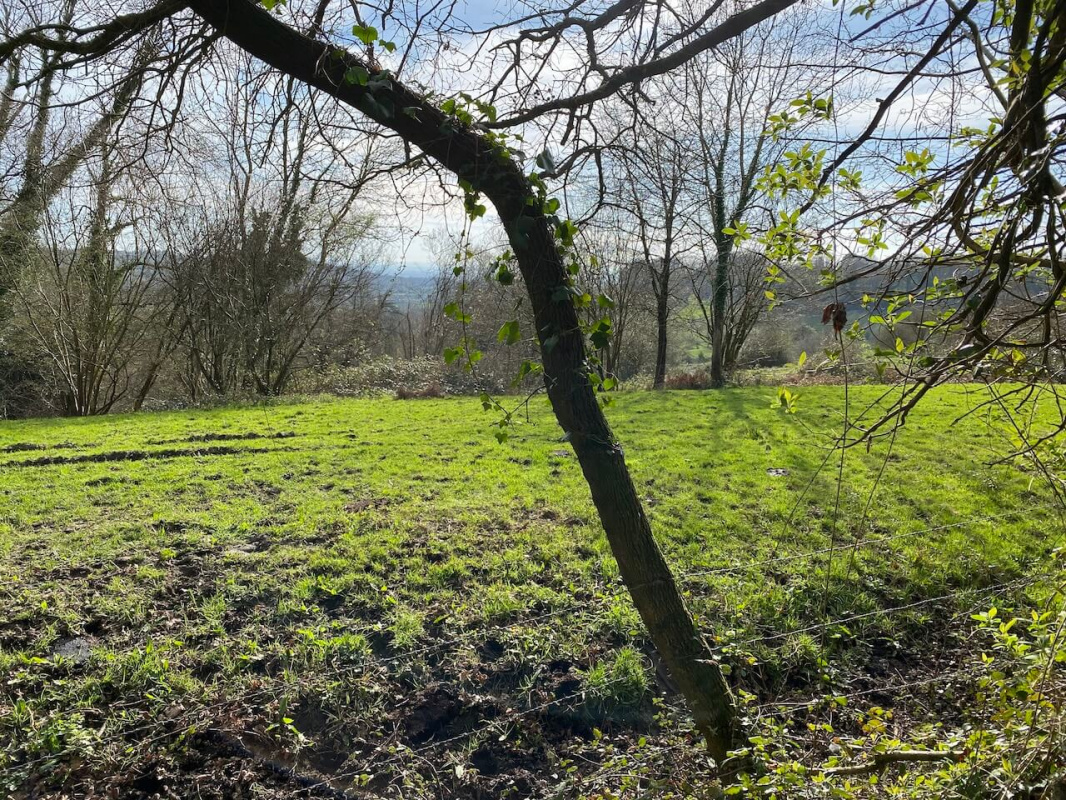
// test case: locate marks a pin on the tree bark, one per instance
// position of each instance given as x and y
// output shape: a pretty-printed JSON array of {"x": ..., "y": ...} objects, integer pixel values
[
  {"x": 662, "y": 319},
  {"x": 720, "y": 292},
  {"x": 488, "y": 169}
]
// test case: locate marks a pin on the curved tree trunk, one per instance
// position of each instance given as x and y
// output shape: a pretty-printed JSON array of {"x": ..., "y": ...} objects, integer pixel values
[{"x": 474, "y": 158}]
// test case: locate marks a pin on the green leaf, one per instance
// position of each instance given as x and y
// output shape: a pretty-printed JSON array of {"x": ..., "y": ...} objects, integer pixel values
[
  {"x": 357, "y": 74},
  {"x": 600, "y": 336},
  {"x": 367, "y": 34},
  {"x": 509, "y": 332},
  {"x": 545, "y": 161},
  {"x": 566, "y": 231}
]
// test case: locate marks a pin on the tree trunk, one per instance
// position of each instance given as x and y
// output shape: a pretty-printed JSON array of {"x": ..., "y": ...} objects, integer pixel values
[
  {"x": 492, "y": 171},
  {"x": 720, "y": 293},
  {"x": 662, "y": 317}
]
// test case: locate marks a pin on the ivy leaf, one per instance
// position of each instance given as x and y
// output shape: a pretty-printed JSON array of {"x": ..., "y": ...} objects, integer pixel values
[
  {"x": 560, "y": 293},
  {"x": 504, "y": 275},
  {"x": 566, "y": 231},
  {"x": 453, "y": 311},
  {"x": 367, "y": 34},
  {"x": 600, "y": 336},
  {"x": 357, "y": 74},
  {"x": 545, "y": 161}
]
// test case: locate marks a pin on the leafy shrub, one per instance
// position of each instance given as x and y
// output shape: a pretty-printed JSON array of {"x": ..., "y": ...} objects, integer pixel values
[{"x": 1007, "y": 733}]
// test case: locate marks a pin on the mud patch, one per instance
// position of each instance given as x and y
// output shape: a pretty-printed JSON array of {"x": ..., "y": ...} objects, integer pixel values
[
  {"x": 23, "y": 447},
  {"x": 143, "y": 455},
  {"x": 434, "y": 711},
  {"x": 238, "y": 437}
]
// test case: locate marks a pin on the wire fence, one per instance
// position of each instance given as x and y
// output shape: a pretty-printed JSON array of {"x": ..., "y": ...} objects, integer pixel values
[
  {"x": 468, "y": 636},
  {"x": 202, "y": 717}
]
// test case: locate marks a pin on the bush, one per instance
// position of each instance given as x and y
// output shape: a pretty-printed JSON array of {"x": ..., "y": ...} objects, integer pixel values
[
  {"x": 690, "y": 379},
  {"x": 778, "y": 341},
  {"x": 23, "y": 390},
  {"x": 433, "y": 389},
  {"x": 404, "y": 378}
]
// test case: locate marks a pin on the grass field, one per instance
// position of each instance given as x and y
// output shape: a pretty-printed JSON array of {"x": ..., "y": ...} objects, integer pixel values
[{"x": 204, "y": 602}]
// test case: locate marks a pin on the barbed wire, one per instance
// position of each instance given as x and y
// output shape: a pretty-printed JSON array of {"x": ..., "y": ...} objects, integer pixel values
[
  {"x": 632, "y": 765},
  {"x": 733, "y": 568},
  {"x": 366, "y": 666},
  {"x": 268, "y": 691},
  {"x": 525, "y": 621},
  {"x": 884, "y": 612}
]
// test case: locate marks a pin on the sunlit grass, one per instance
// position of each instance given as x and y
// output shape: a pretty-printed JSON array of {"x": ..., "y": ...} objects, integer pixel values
[{"x": 206, "y": 552}]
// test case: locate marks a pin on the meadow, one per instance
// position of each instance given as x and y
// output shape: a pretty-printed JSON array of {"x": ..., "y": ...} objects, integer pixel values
[{"x": 375, "y": 596}]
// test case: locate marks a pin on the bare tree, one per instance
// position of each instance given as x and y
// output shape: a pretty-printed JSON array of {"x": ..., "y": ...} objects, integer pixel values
[
  {"x": 683, "y": 168},
  {"x": 44, "y": 153},
  {"x": 762, "y": 71},
  {"x": 655, "y": 188},
  {"x": 615, "y": 269},
  {"x": 425, "y": 324},
  {"x": 284, "y": 249},
  {"x": 729, "y": 309},
  {"x": 87, "y": 305}
]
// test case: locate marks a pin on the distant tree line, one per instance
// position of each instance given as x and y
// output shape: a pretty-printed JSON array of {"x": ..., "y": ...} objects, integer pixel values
[{"x": 250, "y": 251}]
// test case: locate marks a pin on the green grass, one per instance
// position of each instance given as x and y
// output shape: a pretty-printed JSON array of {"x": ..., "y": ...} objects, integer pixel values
[{"x": 337, "y": 557}]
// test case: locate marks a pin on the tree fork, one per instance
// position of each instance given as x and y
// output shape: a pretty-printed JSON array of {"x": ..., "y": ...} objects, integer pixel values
[{"x": 473, "y": 157}]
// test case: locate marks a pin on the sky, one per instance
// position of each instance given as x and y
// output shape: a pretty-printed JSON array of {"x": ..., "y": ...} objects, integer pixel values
[
  {"x": 419, "y": 218},
  {"x": 928, "y": 105}
]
